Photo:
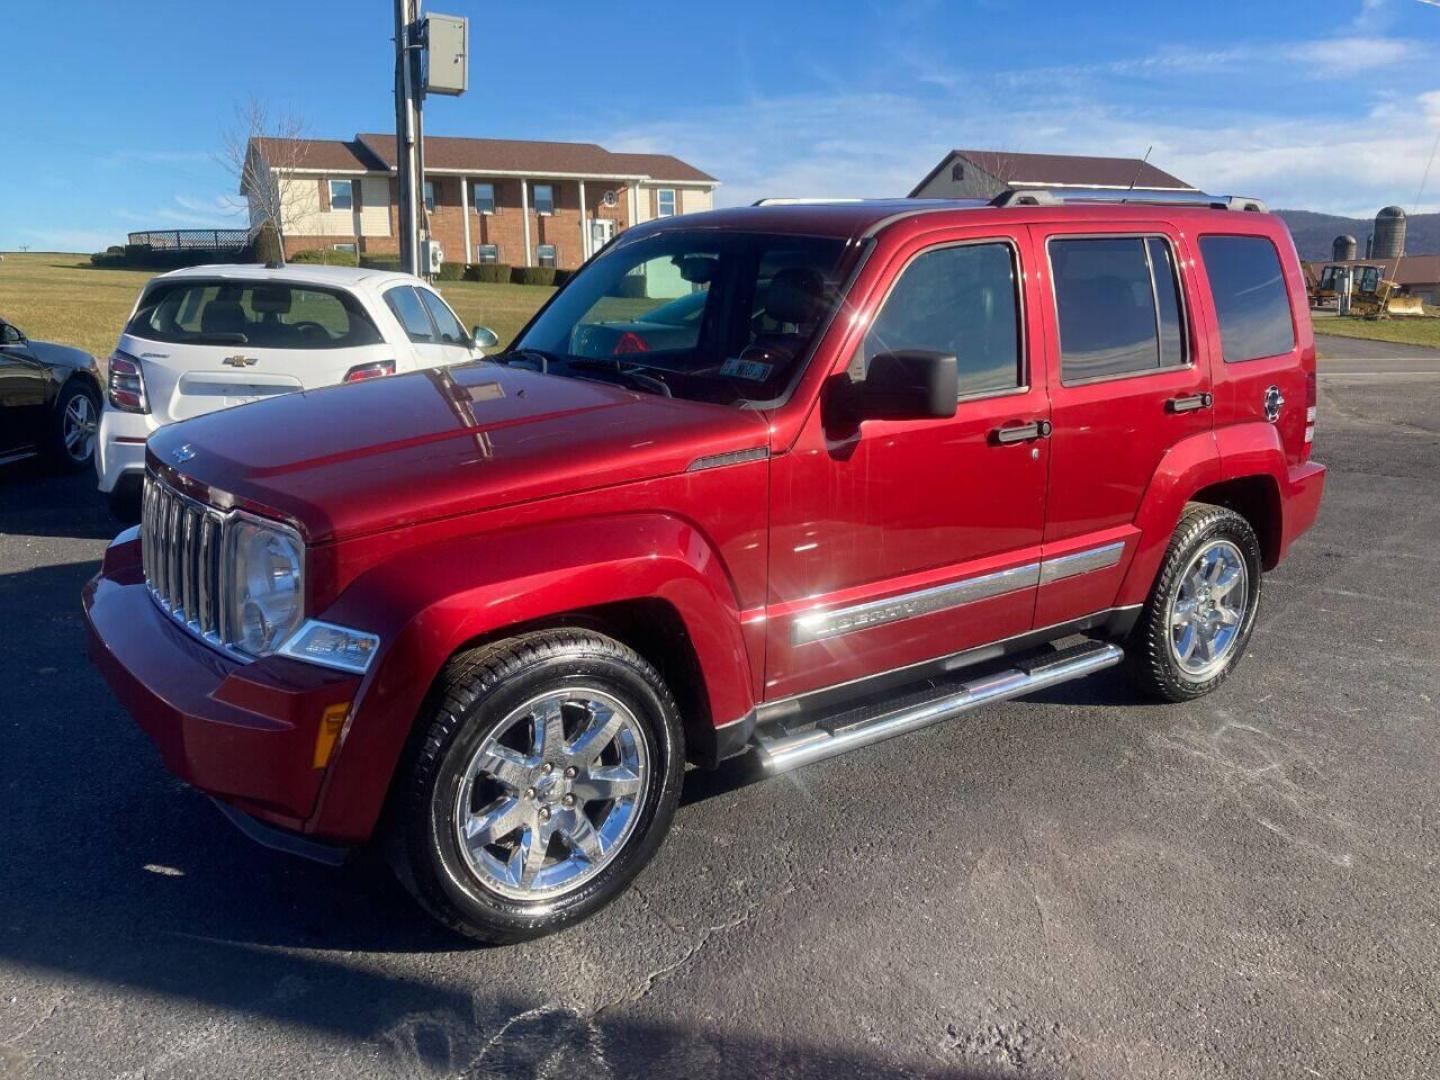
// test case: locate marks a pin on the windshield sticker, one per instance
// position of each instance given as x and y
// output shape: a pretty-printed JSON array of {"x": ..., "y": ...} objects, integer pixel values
[{"x": 746, "y": 369}]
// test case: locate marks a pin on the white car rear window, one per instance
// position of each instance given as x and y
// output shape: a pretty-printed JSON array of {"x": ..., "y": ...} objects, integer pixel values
[{"x": 262, "y": 314}]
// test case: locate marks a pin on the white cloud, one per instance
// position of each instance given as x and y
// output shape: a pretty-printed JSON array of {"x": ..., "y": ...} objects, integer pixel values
[{"x": 1348, "y": 55}]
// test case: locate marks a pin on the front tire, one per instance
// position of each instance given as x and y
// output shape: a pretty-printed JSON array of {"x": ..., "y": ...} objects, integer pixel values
[
  {"x": 541, "y": 780},
  {"x": 1201, "y": 610}
]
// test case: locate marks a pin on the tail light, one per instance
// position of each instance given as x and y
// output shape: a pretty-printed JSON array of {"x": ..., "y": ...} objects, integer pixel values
[
  {"x": 127, "y": 384},
  {"x": 630, "y": 342},
  {"x": 1312, "y": 409},
  {"x": 378, "y": 370}
]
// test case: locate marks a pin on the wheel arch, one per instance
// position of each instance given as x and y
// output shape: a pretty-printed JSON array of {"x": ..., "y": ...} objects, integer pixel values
[{"x": 1256, "y": 498}]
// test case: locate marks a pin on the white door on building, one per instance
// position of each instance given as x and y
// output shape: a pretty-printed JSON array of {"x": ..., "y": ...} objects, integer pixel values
[{"x": 602, "y": 231}]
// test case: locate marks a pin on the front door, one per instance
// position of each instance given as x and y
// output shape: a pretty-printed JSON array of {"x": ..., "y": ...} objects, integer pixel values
[
  {"x": 1127, "y": 386},
  {"x": 602, "y": 231},
  {"x": 901, "y": 542}
]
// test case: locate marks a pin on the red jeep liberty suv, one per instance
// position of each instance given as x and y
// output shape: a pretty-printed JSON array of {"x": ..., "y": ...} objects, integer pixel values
[{"x": 787, "y": 478}]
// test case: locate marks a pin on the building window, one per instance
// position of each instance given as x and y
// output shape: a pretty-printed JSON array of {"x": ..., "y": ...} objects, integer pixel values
[
  {"x": 665, "y": 202},
  {"x": 430, "y": 195},
  {"x": 545, "y": 254},
  {"x": 957, "y": 172},
  {"x": 487, "y": 253},
  {"x": 342, "y": 194},
  {"x": 343, "y": 247},
  {"x": 544, "y": 199},
  {"x": 485, "y": 198},
  {"x": 1119, "y": 305}
]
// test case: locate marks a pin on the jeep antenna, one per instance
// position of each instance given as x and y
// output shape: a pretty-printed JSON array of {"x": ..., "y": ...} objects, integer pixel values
[{"x": 1136, "y": 178}]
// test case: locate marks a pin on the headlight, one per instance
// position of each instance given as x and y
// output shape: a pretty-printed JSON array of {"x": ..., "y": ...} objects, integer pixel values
[{"x": 265, "y": 596}]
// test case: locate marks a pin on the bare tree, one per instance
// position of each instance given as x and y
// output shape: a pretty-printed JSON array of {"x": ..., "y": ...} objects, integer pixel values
[{"x": 261, "y": 151}]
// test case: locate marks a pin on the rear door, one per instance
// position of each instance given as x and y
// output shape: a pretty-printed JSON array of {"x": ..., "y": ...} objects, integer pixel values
[
  {"x": 436, "y": 336},
  {"x": 23, "y": 387},
  {"x": 904, "y": 541},
  {"x": 207, "y": 345},
  {"x": 1127, "y": 385}
]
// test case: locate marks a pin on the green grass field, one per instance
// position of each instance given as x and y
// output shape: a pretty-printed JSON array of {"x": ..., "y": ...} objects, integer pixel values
[
  {"x": 61, "y": 297},
  {"x": 1402, "y": 330}
]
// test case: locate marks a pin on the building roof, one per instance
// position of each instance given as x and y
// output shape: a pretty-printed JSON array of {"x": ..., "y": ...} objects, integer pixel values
[
  {"x": 376, "y": 153},
  {"x": 1062, "y": 170},
  {"x": 1412, "y": 269},
  {"x": 333, "y": 155}
]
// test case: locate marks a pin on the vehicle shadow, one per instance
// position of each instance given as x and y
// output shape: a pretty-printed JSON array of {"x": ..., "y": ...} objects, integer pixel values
[{"x": 36, "y": 501}]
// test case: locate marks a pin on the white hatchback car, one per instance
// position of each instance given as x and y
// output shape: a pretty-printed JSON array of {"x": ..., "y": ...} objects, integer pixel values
[{"x": 212, "y": 337}]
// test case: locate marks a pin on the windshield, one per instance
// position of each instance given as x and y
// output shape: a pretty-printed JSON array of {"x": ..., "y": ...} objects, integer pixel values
[
  {"x": 706, "y": 315},
  {"x": 265, "y": 314}
]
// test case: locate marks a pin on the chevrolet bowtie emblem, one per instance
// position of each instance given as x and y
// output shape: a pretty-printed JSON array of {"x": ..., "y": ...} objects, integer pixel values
[{"x": 240, "y": 361}]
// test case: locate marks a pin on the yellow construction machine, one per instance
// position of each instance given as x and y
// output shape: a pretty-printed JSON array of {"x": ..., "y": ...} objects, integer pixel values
[{"x": 1372, "y": 295}]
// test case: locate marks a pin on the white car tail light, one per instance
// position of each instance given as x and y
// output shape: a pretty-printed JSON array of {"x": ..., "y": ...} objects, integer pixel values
[
  {"x": 127, "y": 384},
  {"x": 377, "y": 370}
]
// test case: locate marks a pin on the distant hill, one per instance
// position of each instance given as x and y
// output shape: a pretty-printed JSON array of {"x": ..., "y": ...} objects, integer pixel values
[{"x": 1314, "y": 233}]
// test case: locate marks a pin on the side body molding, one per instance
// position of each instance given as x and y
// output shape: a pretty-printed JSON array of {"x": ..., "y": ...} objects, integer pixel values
[{"x": 430, "y": 602}]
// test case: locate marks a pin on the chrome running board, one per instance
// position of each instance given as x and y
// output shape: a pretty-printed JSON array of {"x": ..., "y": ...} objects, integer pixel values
[{"x": 861, "y": 727}]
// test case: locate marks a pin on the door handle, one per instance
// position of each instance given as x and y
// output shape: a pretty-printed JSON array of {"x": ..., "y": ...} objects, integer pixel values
[
  {"x": 1015, "y": 433},
  {"x": 1189, "y": 403}
]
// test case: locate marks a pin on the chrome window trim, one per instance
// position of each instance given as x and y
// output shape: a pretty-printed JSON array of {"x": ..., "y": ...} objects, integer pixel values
[
  {"x": 1187, "y": 329},
  {"x": 1022, "y": 327},
  {"x": 834, "y": 622}
]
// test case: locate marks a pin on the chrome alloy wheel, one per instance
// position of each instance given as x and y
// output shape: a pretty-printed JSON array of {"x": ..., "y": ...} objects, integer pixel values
[
  {"x": 79, "y": 428},
  {"x": 1207, "y": 611},
  {"x": 552, "y": 794}
]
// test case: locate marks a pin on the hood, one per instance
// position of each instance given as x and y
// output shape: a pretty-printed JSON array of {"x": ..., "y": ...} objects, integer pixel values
[{"x": 349, "y": 460}]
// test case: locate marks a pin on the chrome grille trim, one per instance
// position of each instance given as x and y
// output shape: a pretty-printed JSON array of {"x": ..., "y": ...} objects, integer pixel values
[{"x": 180, "y": 542}]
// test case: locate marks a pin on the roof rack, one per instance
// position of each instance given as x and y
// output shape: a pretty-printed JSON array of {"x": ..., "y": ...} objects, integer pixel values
[
  {"x": 1063, "y": 196},
  {"x": 824, "y": 200}
]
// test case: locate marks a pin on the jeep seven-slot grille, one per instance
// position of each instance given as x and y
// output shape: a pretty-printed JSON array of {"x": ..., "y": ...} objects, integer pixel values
[{"x": 180, "y": 543}]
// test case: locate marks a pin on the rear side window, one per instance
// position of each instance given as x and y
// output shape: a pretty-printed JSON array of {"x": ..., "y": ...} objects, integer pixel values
[
  {"x": 1251, "y": 301},
  {"x": 410, "y": 310},
  {"x": 960, "y": 300},
  {"x": 1119, "y": 306},
  {"x": 263, "y": 314},
  {"x": 451, "y": 332}
]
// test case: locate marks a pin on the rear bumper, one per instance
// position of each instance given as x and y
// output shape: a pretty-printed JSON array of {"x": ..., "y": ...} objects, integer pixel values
[
  {"x": 243, "y": 733},
  {"x": 1306, "y": 485},
  {"x": 120, "y": 447}
]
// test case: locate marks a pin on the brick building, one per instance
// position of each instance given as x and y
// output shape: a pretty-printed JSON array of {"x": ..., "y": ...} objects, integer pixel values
[{"x": 487, "y": 200}]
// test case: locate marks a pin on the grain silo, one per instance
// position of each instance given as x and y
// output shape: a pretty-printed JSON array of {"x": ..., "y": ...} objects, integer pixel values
[
  {"x": 1344, "y": 248},
  {"x": 1389, "y": 233}
]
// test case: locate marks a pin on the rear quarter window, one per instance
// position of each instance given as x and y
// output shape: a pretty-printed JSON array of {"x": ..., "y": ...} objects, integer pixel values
[{"x": 1252, "y": 303}]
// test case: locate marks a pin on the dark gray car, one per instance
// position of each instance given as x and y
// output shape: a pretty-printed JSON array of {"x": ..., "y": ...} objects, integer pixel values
[{"x": 49, "y": 400}]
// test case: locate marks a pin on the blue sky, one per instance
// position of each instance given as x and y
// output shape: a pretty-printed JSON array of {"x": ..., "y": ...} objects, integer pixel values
[{"x": 111, "y": 123}]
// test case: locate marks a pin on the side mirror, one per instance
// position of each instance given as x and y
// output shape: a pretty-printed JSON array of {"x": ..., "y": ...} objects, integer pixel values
[
  {"x": 484, "y": 337},
  {"x": 11, "y": 335},
  {"x": 910, "y": 385}
]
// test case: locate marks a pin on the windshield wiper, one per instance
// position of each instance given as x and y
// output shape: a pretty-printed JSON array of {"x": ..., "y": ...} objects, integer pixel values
[
  {"x": 631, "y": 375},
  {"x": 536, "y": 356}
]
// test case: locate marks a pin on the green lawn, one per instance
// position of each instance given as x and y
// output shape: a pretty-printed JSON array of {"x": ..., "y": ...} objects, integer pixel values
[
  {"x": 61, "y": 297},
  {"x": 1412, "y": 330}
]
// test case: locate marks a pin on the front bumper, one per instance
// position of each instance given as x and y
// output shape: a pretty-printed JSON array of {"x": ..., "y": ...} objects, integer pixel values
[{"x": 244, "y": 733}]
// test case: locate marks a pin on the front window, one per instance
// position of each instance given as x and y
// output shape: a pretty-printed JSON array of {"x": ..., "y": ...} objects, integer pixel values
[
  {"x": 544, "y": 199},
  {"x": 342, "y": 195},
  {"x": 665, "y": 202},
  {"x": 545, "y": 254},
  {"x": 485, "y": 198},
  {"x": 721, "y": 317},
  {"x": 264, "y": 314}
]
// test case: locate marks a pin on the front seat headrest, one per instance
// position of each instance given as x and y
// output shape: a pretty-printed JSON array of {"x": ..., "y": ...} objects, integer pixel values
[{"x": 795, "y": 295}]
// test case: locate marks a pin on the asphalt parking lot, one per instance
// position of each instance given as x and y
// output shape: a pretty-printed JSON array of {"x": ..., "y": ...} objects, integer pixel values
[{"x": 1076, "y": 884}]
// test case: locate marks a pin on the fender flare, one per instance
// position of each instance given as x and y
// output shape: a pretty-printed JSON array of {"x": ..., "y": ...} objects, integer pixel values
[
  {"x": 1234, "y": 452},
  {"x": 430, "y": 602}
]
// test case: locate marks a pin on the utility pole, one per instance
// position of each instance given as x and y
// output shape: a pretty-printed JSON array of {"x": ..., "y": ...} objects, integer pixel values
[{"x": 409, "y": 147}]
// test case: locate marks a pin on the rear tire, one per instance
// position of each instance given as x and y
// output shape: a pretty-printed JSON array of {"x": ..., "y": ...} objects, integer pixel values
[
  {"x": 75, "y": 426},
  {"x": 540, "y": 781},
  {"x": 1197, "y": 621}
]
